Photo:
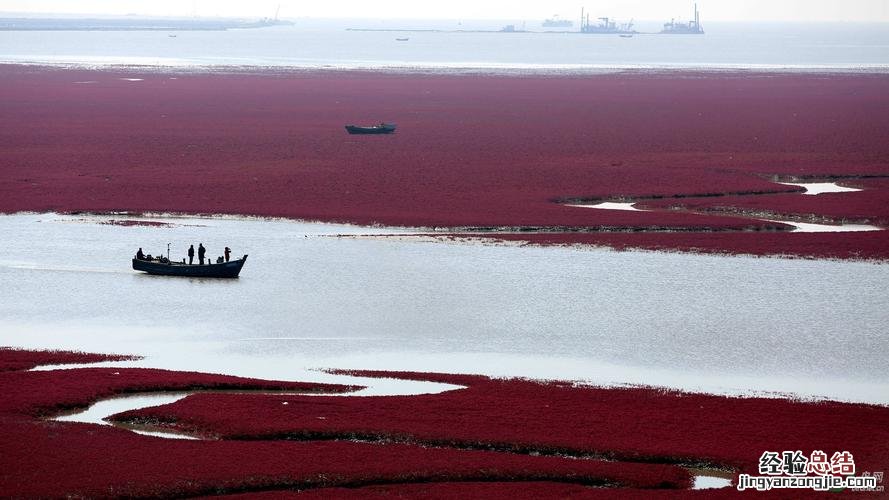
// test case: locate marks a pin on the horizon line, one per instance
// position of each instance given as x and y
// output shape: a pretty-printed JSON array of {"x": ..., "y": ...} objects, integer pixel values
[{"x": 92, "y": 15}]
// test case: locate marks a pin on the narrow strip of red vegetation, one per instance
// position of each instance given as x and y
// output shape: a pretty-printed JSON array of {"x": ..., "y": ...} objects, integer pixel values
[
  {"x": 854, "y": 245},
  {"x": 20, "y": 359},
  {"x": 868, "y": 206},
  {"x": 469, "y": 151},
  {"x": 530, "y": 490}
]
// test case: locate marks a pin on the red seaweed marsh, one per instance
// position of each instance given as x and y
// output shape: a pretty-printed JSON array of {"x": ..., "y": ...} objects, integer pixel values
[
  {"x": 455, "y": 320},
  {"x": 470, "y": 151},
  {"x": 492, "y": 437}
]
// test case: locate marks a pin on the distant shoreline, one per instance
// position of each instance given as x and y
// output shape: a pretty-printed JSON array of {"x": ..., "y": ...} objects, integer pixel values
[
  {"x": 445, "y": 69},
  {"x": 132, "y": 24}
]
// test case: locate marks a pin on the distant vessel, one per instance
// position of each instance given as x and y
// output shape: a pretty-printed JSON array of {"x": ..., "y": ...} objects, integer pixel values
[
  {"x": 402, "y": 39},
  {"x": 555, "y": 22},
  {"x": 606, "y": 26},
  {"x": 689, "y": 28},
  {"x": 270, "y": 21},
  {"x": 383, "y": 128}
]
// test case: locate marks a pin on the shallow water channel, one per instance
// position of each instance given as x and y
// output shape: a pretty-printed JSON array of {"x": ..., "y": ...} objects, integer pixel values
[{"x": 310, "y": 299}]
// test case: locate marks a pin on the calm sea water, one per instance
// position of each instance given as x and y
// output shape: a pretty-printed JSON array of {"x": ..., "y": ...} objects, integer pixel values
[
  {"x": 316, "y": 44},
  {"x": 308, "y": 299}
]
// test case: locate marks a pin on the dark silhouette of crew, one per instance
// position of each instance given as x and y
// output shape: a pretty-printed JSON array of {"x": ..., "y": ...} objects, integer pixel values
[
  {"x": 201, "y": 252},
  {"x": 191, "y": 255},
  {"x": 228, "y": 252},
  {"x": 140, "y": 255}
]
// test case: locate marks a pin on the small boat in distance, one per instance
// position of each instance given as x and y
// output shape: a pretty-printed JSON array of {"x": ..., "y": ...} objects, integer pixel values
[
  {"x": 164, "y": 267},
  {"x": 382, "y": 128},
  {"x": 402, "y": 39}
]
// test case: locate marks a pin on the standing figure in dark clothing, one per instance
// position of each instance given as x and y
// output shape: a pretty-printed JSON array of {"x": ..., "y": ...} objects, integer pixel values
[
  {"x": 201, "y": 252},
  {"x": 228, "y": 252},
  {"x": 191, "y": 255},
  {"x": 140, "y": 255}
]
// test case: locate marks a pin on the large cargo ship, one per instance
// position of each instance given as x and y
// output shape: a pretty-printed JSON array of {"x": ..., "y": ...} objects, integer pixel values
[{"x": 689, "y": 28}]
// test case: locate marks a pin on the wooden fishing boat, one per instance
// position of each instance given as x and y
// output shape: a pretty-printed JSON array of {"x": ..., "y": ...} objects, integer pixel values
[
  {"x": 383, "y": 128},
  {"x": 164, "y": 267}
]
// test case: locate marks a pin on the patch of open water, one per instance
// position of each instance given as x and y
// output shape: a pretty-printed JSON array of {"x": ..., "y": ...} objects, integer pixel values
[
  {"x": 100, "y": 410},
  {"x": 611, "y": 205},
  {"x": 815, "y": 188},
  {"x": 308, "y": 299}
]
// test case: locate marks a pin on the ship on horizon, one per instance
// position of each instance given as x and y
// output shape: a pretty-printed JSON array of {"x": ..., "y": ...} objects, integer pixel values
[
  {"x": 555, "y": 22},
  {"x": 689, "y": 28},
  {"x": 606, "y": 26}
]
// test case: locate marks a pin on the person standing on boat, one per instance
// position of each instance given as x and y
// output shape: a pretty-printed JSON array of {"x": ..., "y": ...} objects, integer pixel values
[
  {"x": 191, "y": 255},
  {"x": 201, "y": 252},
  {"x": 140, "y": 255},
  {"x": 228, "y": 252}
]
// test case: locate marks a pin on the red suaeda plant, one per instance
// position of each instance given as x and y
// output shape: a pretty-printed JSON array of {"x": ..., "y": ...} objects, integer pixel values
[
  {"x": 868, "y": 206},
  {"x": 44, "y": 458},
  {"x": 493, "y": 438},
  {"x": 638, "y": 425},
  {"x": 869, "y": 245},
  {"x": 488, "y": 151},
  {"x": 21, "y": 359}
]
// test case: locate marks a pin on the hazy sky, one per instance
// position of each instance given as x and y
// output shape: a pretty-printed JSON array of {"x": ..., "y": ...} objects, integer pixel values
[{"x": 712, "y": 10}]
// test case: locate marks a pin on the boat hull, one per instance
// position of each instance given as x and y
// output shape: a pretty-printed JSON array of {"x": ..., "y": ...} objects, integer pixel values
[
  {"x": 379, "y": 129},
  {"x": 229, "y": 269}
]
